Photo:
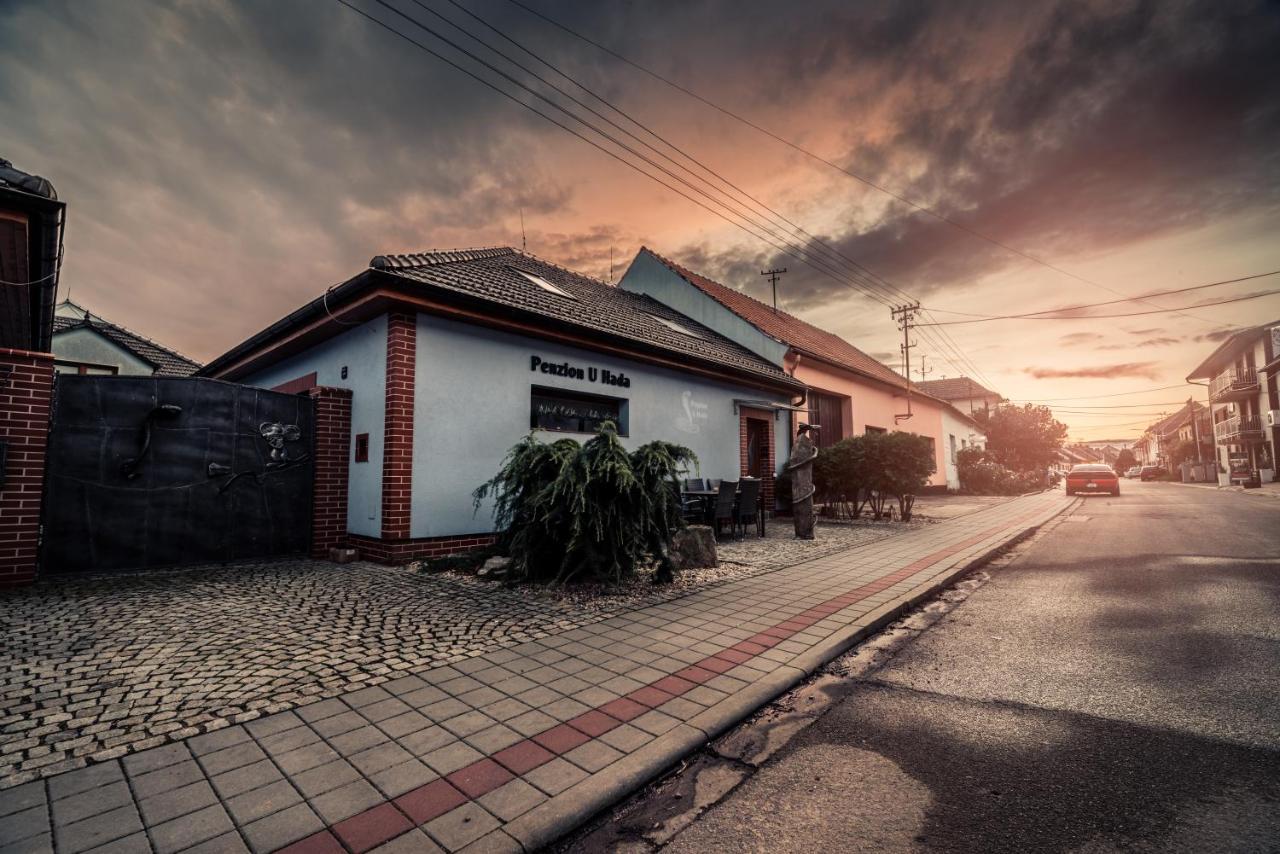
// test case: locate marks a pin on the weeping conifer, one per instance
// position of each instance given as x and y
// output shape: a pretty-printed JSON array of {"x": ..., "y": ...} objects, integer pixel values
[{"x": 569, "y": 512}]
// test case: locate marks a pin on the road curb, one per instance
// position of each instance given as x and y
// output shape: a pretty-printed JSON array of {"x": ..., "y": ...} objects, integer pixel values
[{"x": 546, "y": 824}]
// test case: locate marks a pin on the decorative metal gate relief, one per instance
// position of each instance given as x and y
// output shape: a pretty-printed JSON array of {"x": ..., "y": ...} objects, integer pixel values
[{"x": 149, "y": 472}]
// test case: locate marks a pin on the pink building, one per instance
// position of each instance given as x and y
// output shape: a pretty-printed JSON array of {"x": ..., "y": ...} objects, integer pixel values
[{"x": 849, "y": 393}]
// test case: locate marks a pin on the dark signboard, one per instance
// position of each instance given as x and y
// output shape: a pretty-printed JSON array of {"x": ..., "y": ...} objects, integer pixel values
[{"x": 571, "y": 412}]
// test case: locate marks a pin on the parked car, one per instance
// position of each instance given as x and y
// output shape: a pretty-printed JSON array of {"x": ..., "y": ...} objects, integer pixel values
[
  {"x": 1092, "y": 478},
  {"x": 1150, "y": 473},
  {"x": 1133, "y": 472}
]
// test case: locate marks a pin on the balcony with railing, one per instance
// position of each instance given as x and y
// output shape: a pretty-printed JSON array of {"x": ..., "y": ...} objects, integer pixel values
[
  {"x": 1238, "y": 428},
  {"x": 1233, "y": 385}
]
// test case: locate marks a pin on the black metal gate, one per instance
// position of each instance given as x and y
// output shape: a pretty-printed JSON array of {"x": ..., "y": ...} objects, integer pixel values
[{"x": 148, "y": 472}]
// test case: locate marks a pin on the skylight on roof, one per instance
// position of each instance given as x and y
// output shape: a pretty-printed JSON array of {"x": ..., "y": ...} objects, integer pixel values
[
  {"x": 671, "y": 324},
  {"x": 545, "y": 285}
]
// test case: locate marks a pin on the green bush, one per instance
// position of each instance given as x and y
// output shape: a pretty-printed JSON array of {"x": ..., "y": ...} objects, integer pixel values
[
  {"x": 568, "y": 512},
  {"x": 980, "y": 475},
  {"x": 873, "y": 468}
]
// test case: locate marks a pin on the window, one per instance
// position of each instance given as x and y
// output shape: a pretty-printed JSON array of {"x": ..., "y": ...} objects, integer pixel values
[
  {"x": 574, "y": 412},
  {"x": 545, "y": 285},
  {"x": 953, "y": 448},
  {"x": 82, "y": 368},
  {"x": 675, "y": 327},
  {"x": 826, "y": 411},
  {"x": 871, "y": 429},
  {"x": 362, "y": 447}
]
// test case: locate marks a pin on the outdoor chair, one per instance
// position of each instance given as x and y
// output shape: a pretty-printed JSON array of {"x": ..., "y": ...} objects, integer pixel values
[
  {"x": 748, "y": 505},
  {"x": 696, "y": 484},
  {"x": 725, "y": 499},
  {"x": 693, "y": 508}
]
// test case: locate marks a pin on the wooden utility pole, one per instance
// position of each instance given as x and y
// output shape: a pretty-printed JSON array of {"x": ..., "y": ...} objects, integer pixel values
[
  {"x": 773, "y": 280},
  {"x": 904, "y": 314}
]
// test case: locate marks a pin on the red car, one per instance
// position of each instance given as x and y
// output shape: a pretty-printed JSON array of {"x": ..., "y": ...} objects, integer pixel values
[{"x": 1092, "y": 478}]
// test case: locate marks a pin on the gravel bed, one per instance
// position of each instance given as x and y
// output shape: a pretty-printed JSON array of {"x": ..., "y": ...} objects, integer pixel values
[{"x": 739, "y": 558}]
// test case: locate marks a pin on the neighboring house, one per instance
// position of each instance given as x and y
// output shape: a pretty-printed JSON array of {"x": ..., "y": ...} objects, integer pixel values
[
  {"x": 453, "y": 357},
  {"x": 849, "y": 392},
  {"x": 84, "y": 343},
  {"x": 1244, "y": 403},
  {"x": 961, "y": 392}
]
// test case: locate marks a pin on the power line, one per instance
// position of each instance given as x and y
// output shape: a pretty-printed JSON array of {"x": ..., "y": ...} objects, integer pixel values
[
  {"x": 795, "y": 146},
  {"x": 863, "y": 279},
  {"x": 798, "y": 255},
  {"x": 1245, "y": 298},
  {"x": 1114, "y": 301}
]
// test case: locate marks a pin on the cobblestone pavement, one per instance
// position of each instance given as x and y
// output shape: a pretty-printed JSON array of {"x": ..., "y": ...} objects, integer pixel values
[
  {"x": 505, "y": 750},
  {"x": 95, "y": 668}
]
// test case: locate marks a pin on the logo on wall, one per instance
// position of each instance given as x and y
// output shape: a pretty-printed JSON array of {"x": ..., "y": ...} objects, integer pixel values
[{"x": 694, "y": 414}]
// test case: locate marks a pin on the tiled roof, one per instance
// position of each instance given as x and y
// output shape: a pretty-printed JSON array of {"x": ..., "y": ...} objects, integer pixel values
[
  {"x": 495, "y": 275},
  {"x": 955, "y": 388},
  {"x": 168, "y": 363},
  {"x": 790, "y": 330}
]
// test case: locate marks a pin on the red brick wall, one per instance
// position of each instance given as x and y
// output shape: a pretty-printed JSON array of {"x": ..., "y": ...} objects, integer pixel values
[
  {"x": 332, "y": 468},
  {"x": 397, "y": 448},
  {"x": 26, "y": 391},
  {"x": 766, "y": 488},
  {"x": 402, "y": 551}
]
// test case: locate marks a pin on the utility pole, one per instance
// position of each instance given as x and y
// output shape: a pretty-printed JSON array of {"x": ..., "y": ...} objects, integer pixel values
[
  {"x": 923, "y": 371},
  {"x": 1195, "y": 428},
  {"x": 773, "y": 280},
  {"x": 904, "y": 314}
]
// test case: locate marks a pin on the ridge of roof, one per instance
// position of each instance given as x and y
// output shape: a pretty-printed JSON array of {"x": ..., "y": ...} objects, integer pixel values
[
  {"x": 787, "y": 328},
  {"x": 167, "y": 361},
  {"x": 433, "y": 258}
]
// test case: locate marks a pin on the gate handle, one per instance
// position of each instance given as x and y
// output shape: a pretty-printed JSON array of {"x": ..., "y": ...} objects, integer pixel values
[{"x": 129, "y": 468}]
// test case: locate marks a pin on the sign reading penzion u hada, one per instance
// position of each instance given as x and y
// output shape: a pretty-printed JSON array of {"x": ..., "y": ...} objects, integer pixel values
[{"x": 603, "y": 376}]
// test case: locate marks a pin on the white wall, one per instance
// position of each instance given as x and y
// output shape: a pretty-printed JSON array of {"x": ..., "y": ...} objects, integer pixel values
[
  {"x": 966, "y": 435},
  {"x": 471, "y": 404},
  {"x": 89, "y": 347},
  {"x": 363, "y": 351}
]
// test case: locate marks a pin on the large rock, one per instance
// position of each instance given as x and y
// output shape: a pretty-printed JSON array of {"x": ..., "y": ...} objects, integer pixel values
[
  {"x": 495, "y": 567},
  {"x": 694, "y": 547}
]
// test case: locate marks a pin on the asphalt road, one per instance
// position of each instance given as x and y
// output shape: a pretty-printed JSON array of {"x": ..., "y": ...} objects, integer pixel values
[{"x": 1117, "y": 687}]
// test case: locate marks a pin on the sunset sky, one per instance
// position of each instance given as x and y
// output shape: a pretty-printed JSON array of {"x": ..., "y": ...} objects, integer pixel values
[{"x": 224, "y": 162}]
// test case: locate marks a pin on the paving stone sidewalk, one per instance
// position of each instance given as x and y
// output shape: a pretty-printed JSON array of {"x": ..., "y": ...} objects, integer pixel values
[{"x": 505, "y": 751}]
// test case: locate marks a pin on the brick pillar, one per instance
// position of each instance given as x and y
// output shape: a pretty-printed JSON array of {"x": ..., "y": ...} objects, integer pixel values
[
  {"x": 26, "y": 392},
  {"x": 332, "y": 468},
  {"x": 397, "y": 448}
]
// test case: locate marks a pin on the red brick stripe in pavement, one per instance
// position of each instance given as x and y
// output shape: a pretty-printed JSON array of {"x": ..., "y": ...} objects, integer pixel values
[{"x": 369, "y": 829}]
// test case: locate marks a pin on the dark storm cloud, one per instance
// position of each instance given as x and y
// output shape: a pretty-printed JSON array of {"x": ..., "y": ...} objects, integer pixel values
[
  {"x": 1141, "y": 370},
  {"x": 1216, "y": 336},
  {"x": 1111, "y": 123},
  {"x": 225, "y": 160}
]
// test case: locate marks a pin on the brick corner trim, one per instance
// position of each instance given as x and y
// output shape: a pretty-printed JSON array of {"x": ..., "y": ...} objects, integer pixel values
[
  {"x": 26, "y": 397},
  {"x": 397, "y": 447},
  {"x": 332, "y": 468}
]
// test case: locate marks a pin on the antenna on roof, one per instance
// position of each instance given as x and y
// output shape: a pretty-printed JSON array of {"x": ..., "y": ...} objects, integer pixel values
[
  {"x": 523, "y": 242},
  {"x": 611, "y": 265},
  {"x": 773, "y": 280}
]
